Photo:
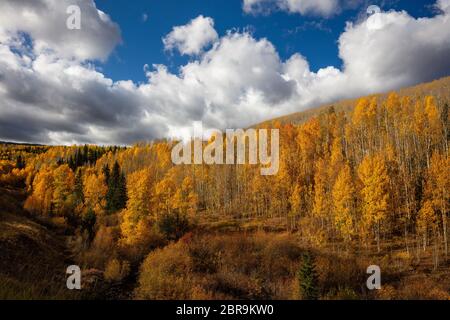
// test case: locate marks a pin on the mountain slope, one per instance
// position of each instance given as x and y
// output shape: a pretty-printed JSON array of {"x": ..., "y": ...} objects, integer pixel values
[
  {"x": 33, "y": 259},
  {"x": 440, "y": 89}
]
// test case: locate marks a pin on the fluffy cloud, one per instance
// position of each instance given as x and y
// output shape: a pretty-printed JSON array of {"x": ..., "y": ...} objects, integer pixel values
[
  {"x": 444, "y": 5},
  {"x": 323, "y": 8},
  {"x": 52, "y": 100},
  {"x": 47, "y": 96},
  {"x": 229, "y": 76},
  {"x": 45, "y": 22},
  {"x": 387, "y": 51},
  {"x": 190, "y": 39},
  {"x": 393, "y": 49}
]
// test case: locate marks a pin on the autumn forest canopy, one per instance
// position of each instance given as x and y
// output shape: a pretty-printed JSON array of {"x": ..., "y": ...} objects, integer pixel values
[{"x": 367, "y": 180}]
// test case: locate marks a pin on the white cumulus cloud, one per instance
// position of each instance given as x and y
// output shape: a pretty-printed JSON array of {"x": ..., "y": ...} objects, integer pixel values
[
  {"x": 45, "y": 22},
  {"x": 192, "y": 38},
  {"x": 323, "y": 8}
]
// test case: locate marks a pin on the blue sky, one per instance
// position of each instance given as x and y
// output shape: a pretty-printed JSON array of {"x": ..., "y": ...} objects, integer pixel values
[{"x": 314, "y": 37}]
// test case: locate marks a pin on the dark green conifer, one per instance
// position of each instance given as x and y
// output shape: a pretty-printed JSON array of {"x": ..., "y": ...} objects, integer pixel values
[{"x": 307, "y": 278}]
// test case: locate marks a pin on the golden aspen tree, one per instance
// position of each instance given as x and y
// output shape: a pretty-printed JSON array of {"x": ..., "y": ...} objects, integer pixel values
[
  {"x": 372, "y": 127},
  {"x": 138, "y": 210},
  {"x": 281, "y": 190},
  {"x": 64, "y": 186},
  {"x": 95, "y": 190},
  {"x": 41, "y": 199},
  {"x": 309, "y": 142},
  {"x": 433, "y": 129},
  {"x": 426, "y": 222},
  {"x": 357, "y": 132},
  {"x": 374, "y": 193},
  {"x": 393, "y": 104},
  {"x": 344, "y": 203},
  {"x": 419, "y": 116},
  {"x": 296, "y": 205},
  {"x": 336, "y": 159},
  {"x": 365, "y": 117},
  {"x": 392, "y": 117},
  {"x": 185, "y": 198},
  {"x": 261, "y": 195},
  {"x": 437, "y": 189},
  {"x": 371, "y": 112},
  {"x": 359, "y": 113},
  {"x": 419, "y": 128},
  {"x": 165, "y": 190},
  {"x": 321, "y": 206}
]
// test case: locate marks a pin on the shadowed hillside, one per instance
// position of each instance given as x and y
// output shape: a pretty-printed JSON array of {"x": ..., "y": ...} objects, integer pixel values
[{"x": 33, "y": 255}]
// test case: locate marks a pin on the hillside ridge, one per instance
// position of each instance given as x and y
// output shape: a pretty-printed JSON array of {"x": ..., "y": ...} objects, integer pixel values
[{"x": 439, "y": 88}]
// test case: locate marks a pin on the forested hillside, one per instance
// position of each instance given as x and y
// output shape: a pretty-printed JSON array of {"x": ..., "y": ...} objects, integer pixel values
[{"x": 362, "y": 182}]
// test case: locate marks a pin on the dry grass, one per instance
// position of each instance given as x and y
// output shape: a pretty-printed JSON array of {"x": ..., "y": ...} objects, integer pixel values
[
  {"x": 32, "y": 264},
  {"x": 264, "y": 265}
]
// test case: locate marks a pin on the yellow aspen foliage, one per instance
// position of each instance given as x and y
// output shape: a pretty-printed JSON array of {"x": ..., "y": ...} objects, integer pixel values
[
  {"x": 393, "y": 104},
  {"x": 297, "y": 204},
  {"x": 419, "y": 117},
  {"x": 374, "y": 193},
  {"x": 40, "y": 202},
  {"x": 426, "y": 220},
  {"x": 321, "y": 207},
  {"x": 280, "y": 186},
  {"x": 116, "y": 270},
  {"x": 434, "y": 125},
  {"x": 374, "y": 169},
  {"x": 138, "y": 209},
  {"x": 336, "y": 158},
  {"x": 295, "y": 200},
  {"x": 6, "y": 166},
  {"x": 344, "y": 201},
  {"x": 437, "y": 189},
  {"x": 359, "y": 114},
  {"x": 185, "y": 198},
  {"x": 389, "y": 152},
  {"x": 371, "y": 112},
  {"x": 95, "y": 190},
  {"x": 365, "y": 112},
  {"x": 308, "y": 139},
  {"x": 64, "y": 186},
  {"x": 165, "y": 191}
]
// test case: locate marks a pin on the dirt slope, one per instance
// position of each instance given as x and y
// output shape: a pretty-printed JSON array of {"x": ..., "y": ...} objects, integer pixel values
[{"x": 33, "y": 257}]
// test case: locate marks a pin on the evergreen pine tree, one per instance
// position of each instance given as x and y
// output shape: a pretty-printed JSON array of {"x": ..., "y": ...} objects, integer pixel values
[
  {"x": 307, "y": 278},
  {"x": 78, "y": 158},
  {"x": 20, "y": 162},
  {"x": 88, "y": 223},
  {"x": 107, "y": 173},
  {"x": 116, "y": 197},
  {"x": 123, "y": 198},
  {"x": 79, "y": 194},
  {"x": 71, "y": 163},
  {"x": 85, "y": 154}
]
